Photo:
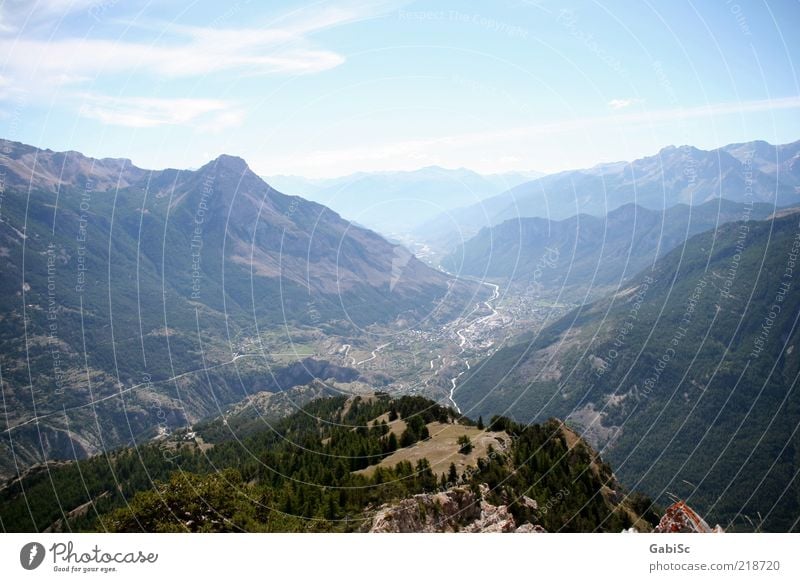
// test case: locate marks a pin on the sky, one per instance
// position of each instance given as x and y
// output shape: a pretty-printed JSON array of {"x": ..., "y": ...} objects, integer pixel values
[{"x": 322, "y": 89}]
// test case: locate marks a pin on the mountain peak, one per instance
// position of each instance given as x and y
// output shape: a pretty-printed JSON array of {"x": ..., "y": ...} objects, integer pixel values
[{"x": 230, "y": 163}]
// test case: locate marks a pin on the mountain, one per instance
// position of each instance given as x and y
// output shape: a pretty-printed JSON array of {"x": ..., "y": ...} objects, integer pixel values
[
  {"x": 128, "y": 296},
  {"x": 586, "y": 253},
  {"x": 749, "y": 172},
  {"x": 686, "y": 378},
  {"x": 778, "y": 160},
  {"x": 395, "y": 202},
  {"x": 338, "y": 464}
]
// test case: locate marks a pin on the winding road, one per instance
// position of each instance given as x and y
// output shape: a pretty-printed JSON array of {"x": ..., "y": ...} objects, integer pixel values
[
  {"x": 374, "y": 354},
  {"x": 346, "y": 348}
]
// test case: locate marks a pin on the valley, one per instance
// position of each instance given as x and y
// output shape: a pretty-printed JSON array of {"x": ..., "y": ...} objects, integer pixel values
[
  {"x": 428, "y": 360},
  {"x": 370, "y": 266},
  {"x": 109, "y": 339},
  {"x": 268, "y": 305}
]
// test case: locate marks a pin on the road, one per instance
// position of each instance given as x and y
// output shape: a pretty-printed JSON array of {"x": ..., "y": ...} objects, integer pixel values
[
  {"x": 346, "y": 348},
  {"x": 374, "y": 354}
]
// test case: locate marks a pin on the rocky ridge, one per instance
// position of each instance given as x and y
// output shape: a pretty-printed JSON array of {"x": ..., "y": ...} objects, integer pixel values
[{"x": 457, "y": 509}]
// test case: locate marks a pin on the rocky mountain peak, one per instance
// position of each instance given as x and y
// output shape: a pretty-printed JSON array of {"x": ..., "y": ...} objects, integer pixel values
[{"x": 230, "y": 163}]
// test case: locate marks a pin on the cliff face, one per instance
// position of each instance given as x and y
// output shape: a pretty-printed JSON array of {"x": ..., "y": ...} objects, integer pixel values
[{"x": 458, "y": 509}]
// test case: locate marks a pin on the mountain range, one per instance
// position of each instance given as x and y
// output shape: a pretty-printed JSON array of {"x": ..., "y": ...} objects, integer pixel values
[
  {"x": 746, "y": 172},
  {"x": 125, "y": 292},
  {"x": 136, "y": 303},
  {"x": 588, "y": 254}
]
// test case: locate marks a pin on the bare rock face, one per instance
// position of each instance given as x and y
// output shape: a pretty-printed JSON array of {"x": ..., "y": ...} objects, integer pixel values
[
  {"x": 680, "y": 518},
  {"x": 493, "y": 518},
  {"x": 530, "y": 528},
  {"x": 457, "y": 509},
  {"x": 445, "y": 511}
]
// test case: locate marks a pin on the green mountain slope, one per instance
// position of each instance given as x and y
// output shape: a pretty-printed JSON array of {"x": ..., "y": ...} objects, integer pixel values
[
  {"x": 687, "y": 378},
  {"x": 303, "y": 473},
  {"x": 586, "y": 253}
]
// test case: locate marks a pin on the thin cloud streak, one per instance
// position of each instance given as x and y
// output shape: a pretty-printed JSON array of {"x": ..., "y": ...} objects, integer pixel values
[
  {"x": 147, "y": 112},
  {"x": 432, "y": 150},
  {"x": 623, "y": 103},
  {"x": 203, "y": 54}
]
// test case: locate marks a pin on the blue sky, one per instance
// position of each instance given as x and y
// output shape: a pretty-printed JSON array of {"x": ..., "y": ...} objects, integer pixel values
[{"x": 329, "y": 88}]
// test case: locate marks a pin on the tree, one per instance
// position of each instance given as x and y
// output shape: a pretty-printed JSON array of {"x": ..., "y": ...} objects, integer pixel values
[
  {"x": 391, "y": 444},
  {"x": 416, "y": 424},
  {"x": 465, "y": 445},
  {"x": 452, "y": 474},
  {"x": 407, "y": 439},
  {"x": 480, "y": 423},
  {"x": 424, "y": 476}
]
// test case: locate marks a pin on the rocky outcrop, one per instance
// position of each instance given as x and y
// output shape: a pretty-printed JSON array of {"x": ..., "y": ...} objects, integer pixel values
[
  {"x": 458, "y": 509},
  {"x": 530, "y": 528},
  {"x": 680, "y": 518}
]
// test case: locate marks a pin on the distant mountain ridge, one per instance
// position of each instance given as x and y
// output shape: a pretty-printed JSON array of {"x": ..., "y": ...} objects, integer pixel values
[
  {"x": 394, "y": 202},
  {"x": 747, "y": 172},
  {"x": 585, "y": 252}
]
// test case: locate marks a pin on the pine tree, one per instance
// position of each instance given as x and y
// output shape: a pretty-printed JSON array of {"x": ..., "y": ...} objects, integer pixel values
[
  {"x": 391, "y": 444},
  {"x": 465, "y": 445},
  {"x": 424, "y": 434},
  {"x": 452, "y": 474}
]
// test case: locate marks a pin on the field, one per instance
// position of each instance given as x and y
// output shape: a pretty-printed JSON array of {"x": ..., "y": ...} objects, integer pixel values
[{"x": 442, "y": 448}]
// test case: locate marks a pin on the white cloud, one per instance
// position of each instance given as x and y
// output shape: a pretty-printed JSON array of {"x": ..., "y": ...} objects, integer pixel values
[
  {"x": 39, "y": 65},
  {"x": 708, "y": 110},
  {"x": 282, "y": 46},
  {"x": 249, "y": 51},
  {"x": 623, "y": 103},
  {"x": 641, "y": 118},
  {"x": 148, "y": 112}
]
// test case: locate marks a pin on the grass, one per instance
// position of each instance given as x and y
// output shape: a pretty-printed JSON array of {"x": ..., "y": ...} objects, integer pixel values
[
  {"x": 396, "y": 426},
  {"x": 442, "y": 448}
]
